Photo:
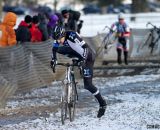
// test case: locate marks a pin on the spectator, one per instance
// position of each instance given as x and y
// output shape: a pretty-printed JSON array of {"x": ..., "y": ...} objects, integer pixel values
[
  {"x": 36, "y": 35},
  {"x": 23, "y": 33},
  {"x": 69, "y": 22},
  {"x": 7, "y": 33},
  {"x": 60, "y": 18},
  {"x": 43, "y": 26},
  {"x": 79, "y": 26},
  {"x": 53, "y": 21}
]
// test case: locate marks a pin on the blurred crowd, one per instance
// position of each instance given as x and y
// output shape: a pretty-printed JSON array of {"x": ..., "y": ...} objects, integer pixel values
[{"x": 36, "y": 28}]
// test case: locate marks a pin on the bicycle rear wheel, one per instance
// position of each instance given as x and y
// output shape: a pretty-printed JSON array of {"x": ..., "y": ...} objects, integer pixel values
[{"x": 72, "y": 102}]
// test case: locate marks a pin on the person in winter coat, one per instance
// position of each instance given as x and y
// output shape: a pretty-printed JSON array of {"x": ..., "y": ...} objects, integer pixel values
[
  {"x": 79, "y": 26},
  {"x": 68, "y": 21},
  {"x": 43, "y": 26},
  {"x": 36, "y": 34},
  {"x": 60, "y": 18},
  {"x": 53, "y": 21},
  {"x": 22, "y": 33},
  {"x": 7, "y": 33}
]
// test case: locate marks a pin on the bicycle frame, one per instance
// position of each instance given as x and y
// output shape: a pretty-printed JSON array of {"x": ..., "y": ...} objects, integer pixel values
[
  {"x": 148, "y": 38},
  {"x": 107, "y": 41},
  {"x": 151, "y": 38},
  {"x": 154, "y": 41},
  {"x": 68, "y": 81}
]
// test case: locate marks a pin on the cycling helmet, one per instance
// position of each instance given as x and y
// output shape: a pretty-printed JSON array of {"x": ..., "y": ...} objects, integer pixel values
[
  {"x": 120, "y": 16},
  {"x": 58, "y": 32}
]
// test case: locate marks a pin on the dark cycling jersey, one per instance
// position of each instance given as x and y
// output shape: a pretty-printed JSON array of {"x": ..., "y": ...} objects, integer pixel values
[{"x": 74, "y": 41}]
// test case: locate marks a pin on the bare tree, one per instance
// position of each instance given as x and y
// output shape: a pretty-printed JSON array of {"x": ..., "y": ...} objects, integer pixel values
[
  {"x": 103, "y": 2},
  {"x": 139, "y": 6},
  {"x": 30, "y": 2}
]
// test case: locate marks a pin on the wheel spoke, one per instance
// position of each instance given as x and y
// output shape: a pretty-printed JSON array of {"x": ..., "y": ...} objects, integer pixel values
[{"x": 72, "y": 103}]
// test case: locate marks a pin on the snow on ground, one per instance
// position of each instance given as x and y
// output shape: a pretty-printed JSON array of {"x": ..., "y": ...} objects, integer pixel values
[{"x": 133, "y": 104}]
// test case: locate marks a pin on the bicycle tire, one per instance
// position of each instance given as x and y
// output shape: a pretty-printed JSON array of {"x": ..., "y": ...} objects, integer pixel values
[
  {"x": 64, "y": 105},
  {"x": 72, "y": 102}
]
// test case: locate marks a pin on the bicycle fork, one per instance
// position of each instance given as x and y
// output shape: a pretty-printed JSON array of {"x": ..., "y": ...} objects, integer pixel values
[
  {"x": 67, "y": 86},
  {"x": 71, "y": 84}
]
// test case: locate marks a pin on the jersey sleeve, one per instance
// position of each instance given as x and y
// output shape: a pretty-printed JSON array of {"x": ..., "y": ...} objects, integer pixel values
[
  {"x": 113, "y": 27},
  {"x": 127, "y": 32},
  {"x": 75, "y": 37}
]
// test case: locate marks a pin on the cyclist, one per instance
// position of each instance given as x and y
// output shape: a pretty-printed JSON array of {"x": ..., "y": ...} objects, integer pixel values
[
  {"x": 74, "y": 46},
  {"x": 123, "y": 33}
]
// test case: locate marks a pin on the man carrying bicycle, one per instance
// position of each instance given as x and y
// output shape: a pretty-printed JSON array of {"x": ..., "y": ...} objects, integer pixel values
[
  {"x": 123, "y": 33},
  {"x": 74, "y": 46}
]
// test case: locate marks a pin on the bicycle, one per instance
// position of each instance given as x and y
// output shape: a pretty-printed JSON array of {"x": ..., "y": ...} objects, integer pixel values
[
  {"x": 108, "y": 40},
  {"x": 69, "y": 95},
  {"x": 151, "y": 40}
]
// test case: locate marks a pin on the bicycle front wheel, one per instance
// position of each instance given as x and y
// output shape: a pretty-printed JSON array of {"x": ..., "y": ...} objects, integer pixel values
[
  {"x": 64, "y": 105},
  {"x": 72, "y": 102}
]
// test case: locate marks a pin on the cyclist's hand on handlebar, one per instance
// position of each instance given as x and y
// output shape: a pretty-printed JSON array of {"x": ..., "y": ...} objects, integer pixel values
[
  {"x": 119, "y": 34},
  {"x": 81, "y": 63},
  {"x": 111, "y": 30},
  {"x": 53, "y": 63}
]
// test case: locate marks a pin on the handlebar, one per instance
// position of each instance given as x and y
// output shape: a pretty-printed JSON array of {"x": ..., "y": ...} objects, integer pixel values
[
  {"x": 66, "y": 64},
  {"x": 155, "y": 27},
  {"x": 75, "y": 62},
  {"x": 110, "y": 29}
]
